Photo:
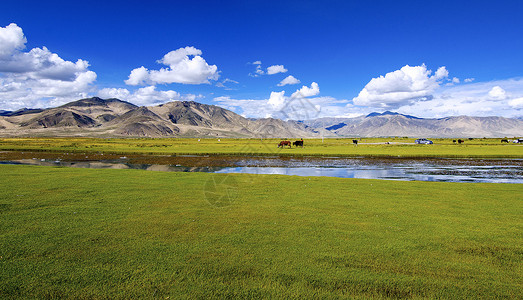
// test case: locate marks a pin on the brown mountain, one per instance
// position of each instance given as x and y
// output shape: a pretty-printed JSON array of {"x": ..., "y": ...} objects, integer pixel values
[
  {"x": 142, "y": 122},
  {"x": 113, "y": 117}
]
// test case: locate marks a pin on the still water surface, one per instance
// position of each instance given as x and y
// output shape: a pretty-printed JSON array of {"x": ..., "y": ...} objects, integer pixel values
[{"x": 448, "y": 170}]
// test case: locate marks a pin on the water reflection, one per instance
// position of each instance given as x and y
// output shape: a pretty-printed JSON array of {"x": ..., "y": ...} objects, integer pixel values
[
  {"x": 496, "y": 171},
  {"x": 469, "y": 174},
  {"x": 111, "y": 165}
]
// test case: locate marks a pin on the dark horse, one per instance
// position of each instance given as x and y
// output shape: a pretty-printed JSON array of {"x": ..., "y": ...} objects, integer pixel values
[
  {"x": 284, "y": 143},
  {"x": 298, "y": 143},
  {"x": 504, "y": 141}
]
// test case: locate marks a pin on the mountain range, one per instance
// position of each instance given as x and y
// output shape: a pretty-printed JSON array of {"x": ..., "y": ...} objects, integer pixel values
[{"x": 98, "y": 117}]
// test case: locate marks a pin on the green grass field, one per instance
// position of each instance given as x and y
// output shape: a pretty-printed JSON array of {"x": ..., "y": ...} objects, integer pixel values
[
  {"x": 130, "y": 234},
  {"x": 404, "y": 147}
]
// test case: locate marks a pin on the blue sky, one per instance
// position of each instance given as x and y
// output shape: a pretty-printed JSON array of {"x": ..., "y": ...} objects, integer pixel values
[{"x": 338, "y": 58}]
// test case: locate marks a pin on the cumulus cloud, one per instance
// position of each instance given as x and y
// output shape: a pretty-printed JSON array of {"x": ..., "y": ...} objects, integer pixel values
[
  {"x": 289, "y": 80},
  {"x": 117, "y": 93},
  {"x": 276, "y": 100},
  {"x": 495, "y": 98},
  {"x": 138, "y": 76},
  {"x": 181, "y": 69},
  {"x": 39, "y": 77},
  {"x": 278, "y": 105},
  {"x": 276, "y": 69},
  {"x": 441, "y": 73},
  {"x": 400, "y": 87},
  {"x": 469, "y": 79},
  {"x": 306, "y": 91},
  {"x": 497, "y": 93},
  {"x": 298, "y": 106},
  {"x": 145, "y": 96},
  {"x": 11, "y": 39}
]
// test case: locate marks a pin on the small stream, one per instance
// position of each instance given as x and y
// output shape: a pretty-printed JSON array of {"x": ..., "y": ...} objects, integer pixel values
[{"x": 447, "y": 170}]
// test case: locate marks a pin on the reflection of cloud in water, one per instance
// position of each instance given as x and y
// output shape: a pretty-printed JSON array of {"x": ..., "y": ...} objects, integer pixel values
[
  {"x": 370, "y": 172},
  {"x": 367, "y": 173}
]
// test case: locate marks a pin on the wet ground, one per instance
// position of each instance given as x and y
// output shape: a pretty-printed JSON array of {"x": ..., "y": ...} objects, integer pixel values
[{"x": 430, "y": 169}]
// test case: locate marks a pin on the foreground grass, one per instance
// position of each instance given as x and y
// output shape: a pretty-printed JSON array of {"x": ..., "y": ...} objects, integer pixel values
[
  {"x": 83, "y": 233},
  {"x": 376, "y": 147}
]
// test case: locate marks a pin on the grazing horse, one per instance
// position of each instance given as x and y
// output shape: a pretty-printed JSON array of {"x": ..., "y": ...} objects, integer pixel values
[
  {"x": 298, "y": 143},
  {"x": 355, "y": 142},
  {"x": 284, "y": 143},
  {"x": 504, "y": 141}
]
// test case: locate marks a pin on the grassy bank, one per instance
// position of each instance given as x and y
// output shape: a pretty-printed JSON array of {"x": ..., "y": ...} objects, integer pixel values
[
  {"x": 128, "y": 234},
  {"x": 376, "y": 147}
]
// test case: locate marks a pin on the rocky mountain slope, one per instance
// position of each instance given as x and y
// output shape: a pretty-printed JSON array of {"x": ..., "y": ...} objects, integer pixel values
[{"x": 113, "y": 117}]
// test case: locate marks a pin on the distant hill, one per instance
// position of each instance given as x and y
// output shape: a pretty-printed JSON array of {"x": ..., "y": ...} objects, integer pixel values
[
  {"x": 20, "y": 112},
  {"x": 395, "y": 124},
  {"x": 389, "y": 113}
]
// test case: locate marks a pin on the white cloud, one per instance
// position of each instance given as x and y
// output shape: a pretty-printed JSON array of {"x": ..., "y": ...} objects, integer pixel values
[
  {"x": 289, "y": 80},
  {"x": 495, "y": 98},
  {"x": 176, "y": 56},
  {"x": 230, "y": 80},
  {"x": 276, "y": 69},
  {"x": 455, "y": 80},
  {"x": 11, "y": 39},
  {"x": 138, "y": 76},
  {"x": 441, "y": 73},
  {"x": 277, "y": 100},
  {"x": 469, "y": 79},
  {"x": 38, "y": 78},
  {"x": 226, "y": 80},
  {"x": 145, "y": 96},
  {"x": 258, "y": 70},
  {"x": 307, "y": 91},
  {"x": 516, "y": 103},
  {"x": 117, "y": 93},
  {"x": 409, "y": 84},
  {"x": 497, "y": 93},
  {"x": 286, "y": 108},
  {"x": 182, "y": 69},
  {"x": 298, "y": 107}
]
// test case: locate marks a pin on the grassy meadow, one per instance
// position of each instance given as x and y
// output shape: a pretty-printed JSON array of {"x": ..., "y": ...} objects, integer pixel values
[
  {"x": 130, "y": 234},
  {"x": 376, "y": 147}
]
